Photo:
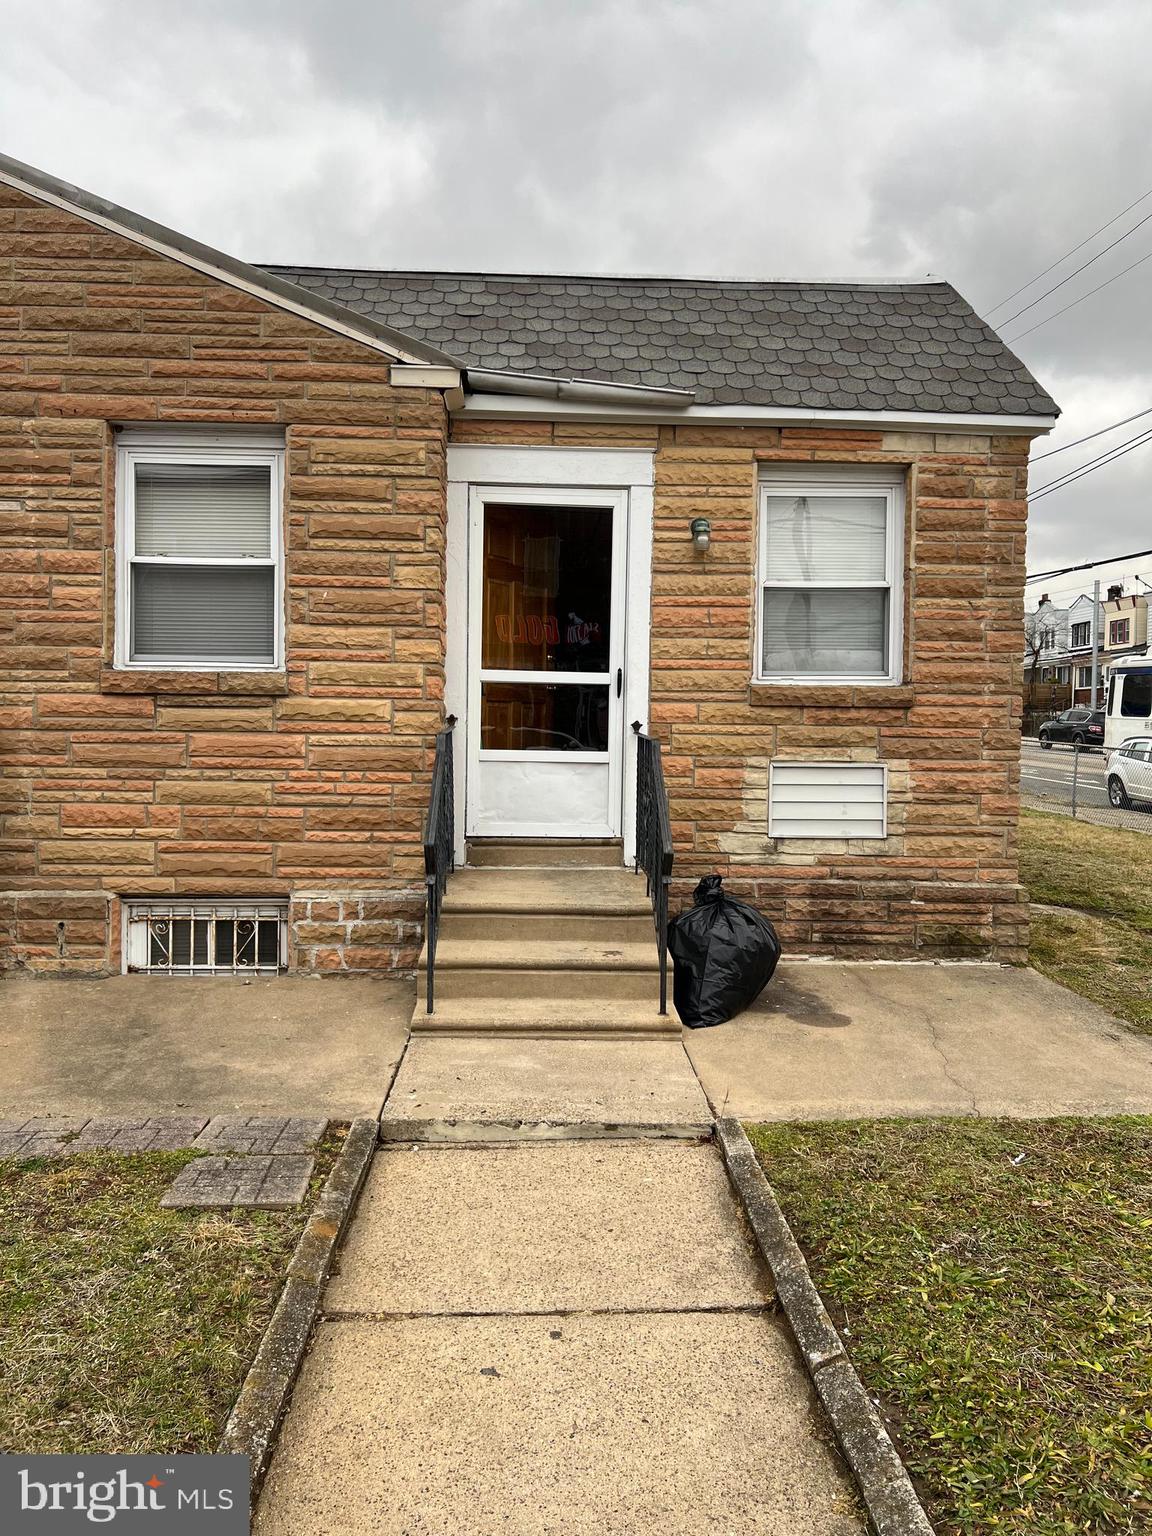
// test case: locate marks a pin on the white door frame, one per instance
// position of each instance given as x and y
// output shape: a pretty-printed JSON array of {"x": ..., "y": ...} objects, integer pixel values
[{"x": 553, "y": 471}]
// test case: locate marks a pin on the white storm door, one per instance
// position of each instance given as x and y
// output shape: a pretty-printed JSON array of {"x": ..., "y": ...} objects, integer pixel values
[{"x": 545, "y": 662}]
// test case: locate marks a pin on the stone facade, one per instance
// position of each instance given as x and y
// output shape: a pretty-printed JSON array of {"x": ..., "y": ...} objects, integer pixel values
[
  {"x": 215, "y": 783},
  {"x": 311, "y": 784},
  {"x": 944, "y": 882}
]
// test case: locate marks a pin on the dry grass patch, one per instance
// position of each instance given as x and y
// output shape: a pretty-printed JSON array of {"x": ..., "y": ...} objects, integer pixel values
[
  {"x": 1096, "y": 937},
  {"x": 123, "y": 1327},
  {"x": 993, "y": 1282}
]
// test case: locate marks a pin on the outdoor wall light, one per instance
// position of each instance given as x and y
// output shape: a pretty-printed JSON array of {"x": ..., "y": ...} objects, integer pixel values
[{"x": 701, "y": 534}]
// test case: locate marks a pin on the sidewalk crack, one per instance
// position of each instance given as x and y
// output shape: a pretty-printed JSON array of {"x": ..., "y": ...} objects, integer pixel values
[{"x": 969, "y": 1093}]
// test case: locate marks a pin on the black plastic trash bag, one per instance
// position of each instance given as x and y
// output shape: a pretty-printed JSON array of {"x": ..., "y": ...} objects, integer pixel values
[{"x": 724, "y": 953}]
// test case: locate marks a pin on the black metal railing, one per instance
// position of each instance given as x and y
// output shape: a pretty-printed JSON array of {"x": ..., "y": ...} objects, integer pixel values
[
  {"x": 654, "y": 842},
  {"x": 439, "y": 848}
]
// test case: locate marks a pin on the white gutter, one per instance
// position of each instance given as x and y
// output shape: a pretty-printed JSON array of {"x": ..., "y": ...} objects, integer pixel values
[
  {"x": 541, "y": 387},
  {"x": 520, "y": 407}
]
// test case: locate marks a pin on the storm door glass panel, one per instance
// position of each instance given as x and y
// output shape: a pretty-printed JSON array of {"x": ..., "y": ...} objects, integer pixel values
[
  {"x": 544, "y": 717},
  {"x": 547, "y": 588}
]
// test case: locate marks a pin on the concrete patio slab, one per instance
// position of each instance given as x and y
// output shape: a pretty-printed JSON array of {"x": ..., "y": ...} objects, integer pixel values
[
  {"x": 654, "y": 1425},
  {"x": 547, "y": 1227},
  {"x": 840, "y": 1041},
  {"x": 217, "y": 1045},
  {"x": 564, "y": 1081}
]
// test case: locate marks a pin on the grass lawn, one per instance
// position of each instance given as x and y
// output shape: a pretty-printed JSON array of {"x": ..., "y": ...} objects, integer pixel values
[
  {"x": 993, "y": 1281},
  {"x": 1100, "y": 945},
  {"x": 124, "y": 1327}
]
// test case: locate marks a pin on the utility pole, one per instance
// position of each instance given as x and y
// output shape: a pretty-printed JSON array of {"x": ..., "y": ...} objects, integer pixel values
[{"x": 1095, "y": 645}]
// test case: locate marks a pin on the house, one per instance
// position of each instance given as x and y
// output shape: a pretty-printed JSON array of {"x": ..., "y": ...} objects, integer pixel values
[
  {"x": 1047, "y": 677},
  {"x": 264, "y": 530},
  {"x": 1125, "y": 623},
  {"x": 1058, "y": 655}
]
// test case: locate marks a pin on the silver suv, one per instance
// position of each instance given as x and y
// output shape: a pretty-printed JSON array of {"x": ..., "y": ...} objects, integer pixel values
[{"x": 1130, "y": 773}]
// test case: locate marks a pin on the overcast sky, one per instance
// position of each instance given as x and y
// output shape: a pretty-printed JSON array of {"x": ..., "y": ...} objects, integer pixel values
[{"x": 976, "y": 140}]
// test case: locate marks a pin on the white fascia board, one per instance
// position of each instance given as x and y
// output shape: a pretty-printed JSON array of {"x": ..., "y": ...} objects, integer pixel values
[
  {"x": 513, "y": 408},
  {"x": 200, "y": 258},
  {"x": 424, "y": 376}
]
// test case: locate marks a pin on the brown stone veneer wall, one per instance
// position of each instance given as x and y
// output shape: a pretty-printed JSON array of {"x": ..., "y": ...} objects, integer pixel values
[
  {"x": 944, "y": 882},
  {"x": 218, "y": 784}
]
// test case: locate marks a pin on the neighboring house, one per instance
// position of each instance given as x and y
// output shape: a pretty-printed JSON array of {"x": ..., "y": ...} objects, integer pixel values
[
  {"x": 1125, "y": 623},
  {"x": 1047, "y": 674},
  {"x": 264, "y": 529},
  {"x": 1058, "y": 655}
]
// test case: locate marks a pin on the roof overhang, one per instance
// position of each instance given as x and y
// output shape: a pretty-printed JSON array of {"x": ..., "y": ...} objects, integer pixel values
[
  {"x": 226, "y": 269},
  {"x": 620, "y": 403}
]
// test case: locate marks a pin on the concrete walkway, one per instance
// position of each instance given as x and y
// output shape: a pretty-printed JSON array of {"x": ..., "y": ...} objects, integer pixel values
[
  {"x": 130, "y": 1045},
  {"x": 831, "y": 1041},
  {"x": 551, "y": 1335}
]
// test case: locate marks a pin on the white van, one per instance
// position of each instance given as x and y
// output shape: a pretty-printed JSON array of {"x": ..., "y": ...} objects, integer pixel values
[{"x": 1129, "y": 708}]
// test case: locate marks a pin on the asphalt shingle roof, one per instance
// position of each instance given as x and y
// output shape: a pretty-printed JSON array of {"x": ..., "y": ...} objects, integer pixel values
[{"x": 835, "y": 346}]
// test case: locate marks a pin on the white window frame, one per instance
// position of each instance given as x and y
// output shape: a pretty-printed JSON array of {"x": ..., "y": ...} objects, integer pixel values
[
  {"x": 836, "y": 480},
  {"x": 1085, "y": 625},
  {"x": 159, "y": 447},
  {"x": 829, "y": 762}
]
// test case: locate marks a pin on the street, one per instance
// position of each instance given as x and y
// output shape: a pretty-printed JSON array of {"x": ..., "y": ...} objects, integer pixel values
[
  {"x": 1046, "y": 784},
  {"x": 1048, "y": 774}
]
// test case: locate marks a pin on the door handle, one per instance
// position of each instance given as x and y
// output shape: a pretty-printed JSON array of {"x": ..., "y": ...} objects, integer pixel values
[{"x": 619, "y": 681}]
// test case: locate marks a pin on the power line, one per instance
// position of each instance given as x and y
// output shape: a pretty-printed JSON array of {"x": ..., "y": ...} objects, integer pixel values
[
  {"x": 1097, "y": 463},
  {"x": 1099, "y": 459},
  {"x": 1083, "y": 267},
  {"x": 1087, "y": 241},
  {"x": 1053, "y": 452},
  {"x": 1056, "y": 313},
  {"x": 1087, "y": 469},
  {"x": 1088, "y": 565}
]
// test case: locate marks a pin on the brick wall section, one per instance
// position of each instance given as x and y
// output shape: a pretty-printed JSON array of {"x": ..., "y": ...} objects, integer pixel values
[
  {"x": 214, "y": 783},
  {"x": 944, "y": 882}
]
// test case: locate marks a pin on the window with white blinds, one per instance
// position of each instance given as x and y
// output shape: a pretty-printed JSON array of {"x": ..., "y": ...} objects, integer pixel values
[
  {"x": 200, "y": 556},
  {"x": 830, "y": 562}
]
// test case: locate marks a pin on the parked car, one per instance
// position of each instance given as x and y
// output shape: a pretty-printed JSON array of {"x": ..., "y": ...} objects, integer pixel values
[
  {"x": 1082, "y": 727},
  {"x": 1130, "y": 773}
]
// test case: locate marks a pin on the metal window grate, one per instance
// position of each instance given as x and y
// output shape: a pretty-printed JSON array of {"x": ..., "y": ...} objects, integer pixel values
[{"x": 206, "y": 938}]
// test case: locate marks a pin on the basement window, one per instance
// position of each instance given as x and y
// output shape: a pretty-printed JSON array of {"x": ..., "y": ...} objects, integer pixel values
[
  {"x": 199, "y": 551},
  {"x": 183, "y": 938}
]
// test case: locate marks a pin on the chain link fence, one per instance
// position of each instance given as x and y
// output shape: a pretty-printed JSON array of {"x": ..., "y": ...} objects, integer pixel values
[{"x": 1087, "y": 784}]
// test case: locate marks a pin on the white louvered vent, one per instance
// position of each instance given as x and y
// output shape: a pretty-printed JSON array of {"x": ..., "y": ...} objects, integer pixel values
[{"x": 827, "y": 800}]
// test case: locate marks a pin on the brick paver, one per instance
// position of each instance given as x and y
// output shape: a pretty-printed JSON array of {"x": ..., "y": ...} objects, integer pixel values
[
  {"x": 260, "y": 1133},
  {"x": 270, "y": 1182},
  {"x": 139, "y": 1133},
  {"x": 39, "y": 1136}
]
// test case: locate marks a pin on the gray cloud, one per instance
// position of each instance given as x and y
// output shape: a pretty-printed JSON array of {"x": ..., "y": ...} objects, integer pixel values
[{"x": 883, "y": 138}]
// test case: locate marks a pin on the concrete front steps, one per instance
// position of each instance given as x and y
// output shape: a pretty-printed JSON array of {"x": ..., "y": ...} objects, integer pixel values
[{"x": 545, "y": 939}]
